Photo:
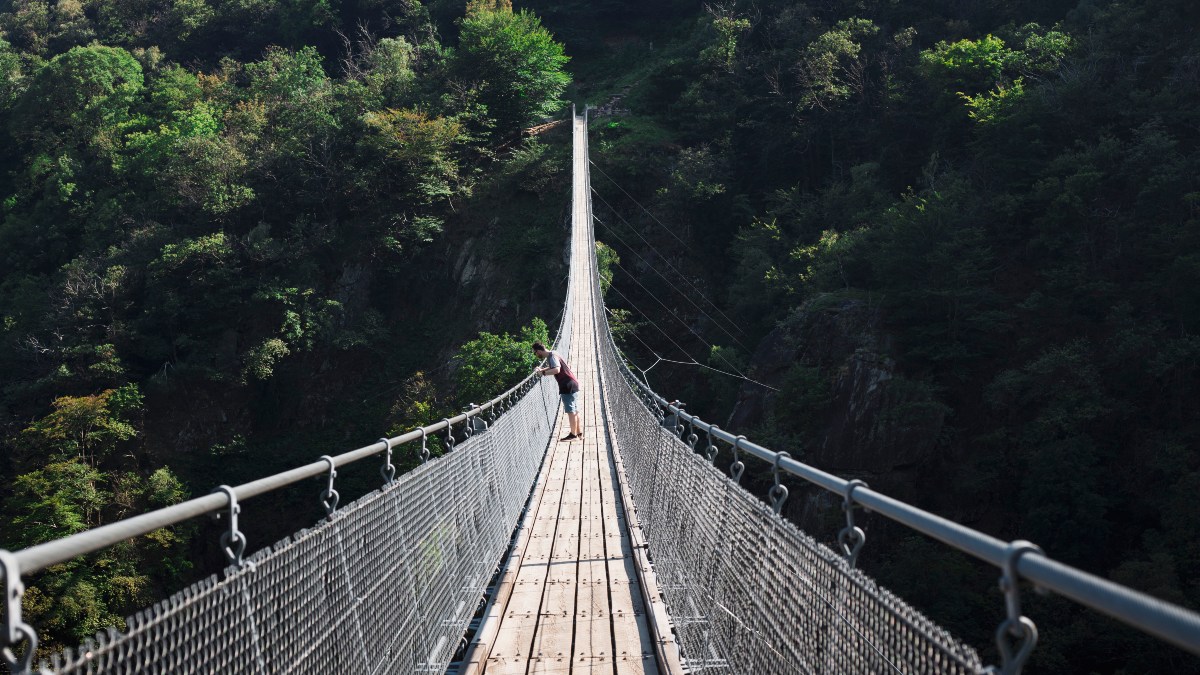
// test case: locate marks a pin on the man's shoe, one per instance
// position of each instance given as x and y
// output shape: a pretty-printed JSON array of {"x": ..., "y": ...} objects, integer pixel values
[{"x": 568, "y": 437}]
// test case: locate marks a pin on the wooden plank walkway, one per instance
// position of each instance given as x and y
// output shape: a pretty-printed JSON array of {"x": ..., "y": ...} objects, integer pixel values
[{"x": 570, "y": 600}]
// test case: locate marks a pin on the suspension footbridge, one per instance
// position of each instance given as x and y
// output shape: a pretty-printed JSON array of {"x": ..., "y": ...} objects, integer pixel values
[
  {"x": 570, "y": 600},
  {"x": 626, "y": 551}
]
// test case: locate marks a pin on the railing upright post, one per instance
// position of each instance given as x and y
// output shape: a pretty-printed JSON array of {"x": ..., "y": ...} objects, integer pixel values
[{"x": 16, "y": 631}]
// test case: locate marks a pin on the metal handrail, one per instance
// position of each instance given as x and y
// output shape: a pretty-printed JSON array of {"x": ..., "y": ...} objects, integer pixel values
[
  {"x": 50, "y": 553},
  {"x": 16, "y": 564},
  {"x": 41, "y": 556},
  {"x": 1166, "y": 621}
]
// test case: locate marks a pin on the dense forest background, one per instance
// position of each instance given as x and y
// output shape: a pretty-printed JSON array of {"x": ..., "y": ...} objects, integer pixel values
[
  {"x": 236, "y": 236},
  {"x": 963, "y": 241},
  {"x": 960, "y": 239}
]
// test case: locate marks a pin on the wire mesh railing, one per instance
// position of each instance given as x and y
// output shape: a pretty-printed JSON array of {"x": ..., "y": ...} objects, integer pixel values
[
  {"x": 750, "y": 593},
  {"x": 386, "y": 584},
  {"x": 390, "y": 582}
]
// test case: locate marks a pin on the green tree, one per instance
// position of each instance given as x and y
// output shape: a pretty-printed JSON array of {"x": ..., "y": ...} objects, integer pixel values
[
  {"x": 730, "y": 29},
  {"x": 81, "y": 98},
  {"x": 387, "y": 72},
  {"x": 56, "y": 501},
  {"x": 419, "y": 405},
  {"x": 515, "y": 63},
  {"x": 967, "y": 65},
  {"x": 84, "y": 428},
  {"x": 834, "y": 67},
  {"x": 295, "y": 97},
  {"x": 12, "y": 75},
  {"x": 493, "y": 362},
  {"x": 420, "y": 149},
  {"x": 85, "y": 484},
  {"x": 71, "y": 601},
  {"x": 606, "y": 258}
]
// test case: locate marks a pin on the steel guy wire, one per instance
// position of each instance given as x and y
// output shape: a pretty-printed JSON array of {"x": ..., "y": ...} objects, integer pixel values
[
  {"x": 685, "y": 325},
  {"x": 668, "y": 263},
  {"x": 718, "y": 370},
  {"x": 661, "y": 359},
  {"x": 667, "y": 335},
  {"x": 658, "y": 359},
  {"x": 618, "y": 186},
  {"x": 652, "y": 322},
  {"x": 673, "y": 286}
]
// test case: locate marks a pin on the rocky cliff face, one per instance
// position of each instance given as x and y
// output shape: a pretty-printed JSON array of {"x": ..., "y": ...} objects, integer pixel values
[
  {"x": 495, "y": 285},
  {"x": 876, "y": 422}
]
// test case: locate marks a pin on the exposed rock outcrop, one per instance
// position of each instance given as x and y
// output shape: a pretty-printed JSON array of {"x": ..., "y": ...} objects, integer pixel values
[{"x": 877, "y": 421}]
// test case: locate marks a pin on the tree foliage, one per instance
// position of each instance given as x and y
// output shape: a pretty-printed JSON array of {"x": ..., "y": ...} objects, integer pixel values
[
  {"x": 83, "y": 480},
  {"x": 1006, "y": 196},
  {"x": 514, "y": 63},
  {"x": 492, "y": 363},
  {"x": 218, "y": 219}
]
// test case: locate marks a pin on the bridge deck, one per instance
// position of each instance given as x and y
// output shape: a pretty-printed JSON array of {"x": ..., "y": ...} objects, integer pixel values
[{"x": 569, "y": 600}]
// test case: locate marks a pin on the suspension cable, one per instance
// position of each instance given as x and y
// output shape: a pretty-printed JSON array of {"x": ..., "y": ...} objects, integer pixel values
[
  {"x": 593, "y": 163},
  {"x": 633, "y": 229},
  {"x": 693, "y": 361},
  {"x": 673, "y": 286},
  {"x": 685, "y": 325},
  {"x": 652, "y": 322}
]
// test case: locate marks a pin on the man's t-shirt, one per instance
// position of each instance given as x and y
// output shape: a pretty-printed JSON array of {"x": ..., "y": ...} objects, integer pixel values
[{"x": 566, "y": 379}]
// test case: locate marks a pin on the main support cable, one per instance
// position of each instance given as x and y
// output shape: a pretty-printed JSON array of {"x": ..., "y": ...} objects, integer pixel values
[
  {"x": 1168, "y": 622},
  {"x": 685, "y": 296},
  {"x": 668, "y": 262}
]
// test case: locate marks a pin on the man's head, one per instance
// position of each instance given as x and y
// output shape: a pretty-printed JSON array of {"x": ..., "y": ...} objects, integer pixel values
[{"x": 540, "y": 350}]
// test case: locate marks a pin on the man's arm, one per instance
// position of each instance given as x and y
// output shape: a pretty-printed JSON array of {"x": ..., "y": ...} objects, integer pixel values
[{"x": 552, "y": 366}]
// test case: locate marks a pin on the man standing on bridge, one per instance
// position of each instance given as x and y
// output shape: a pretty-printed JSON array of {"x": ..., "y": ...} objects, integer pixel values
[{"x": 568, "y": 387}]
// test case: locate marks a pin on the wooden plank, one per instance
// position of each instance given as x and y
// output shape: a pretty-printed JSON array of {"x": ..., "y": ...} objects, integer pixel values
[
  {"x": 593, "y": 630},
  {"x": 552, "y": 640},
  {"x": 553, "y": 656},
  {"x": 509, "y": 652}
]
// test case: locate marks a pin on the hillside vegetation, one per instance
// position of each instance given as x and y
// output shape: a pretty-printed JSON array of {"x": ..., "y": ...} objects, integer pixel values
[
  {"x": 236, "y": 236},
  {"x": 959, "y": 242},
  {"x": 963, "y": 240}
]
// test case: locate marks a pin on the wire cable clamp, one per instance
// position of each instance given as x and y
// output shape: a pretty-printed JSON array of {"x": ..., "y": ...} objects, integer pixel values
[
  {"x": 329, "y": 498},
  {"x": 1017, "y": 635},
  {"x": 851, "y": 538},
  {"x": 16, "y": 631},
  {"x": 736, "y": 469},
  {"x": 233, "y": 542},
  {"x": 779, "y": 491},
  {"x": 388, "y": 470}
]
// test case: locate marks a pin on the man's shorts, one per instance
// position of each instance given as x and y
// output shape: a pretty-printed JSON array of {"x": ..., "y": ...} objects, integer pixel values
[{"x": 570, "y": 402}]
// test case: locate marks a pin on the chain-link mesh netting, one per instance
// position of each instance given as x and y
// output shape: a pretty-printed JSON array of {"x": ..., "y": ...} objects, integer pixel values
[
  {"x": 387, "y": 584},
  {"x": 390, "y": 583},
  {"x": 747, "y": 591}
]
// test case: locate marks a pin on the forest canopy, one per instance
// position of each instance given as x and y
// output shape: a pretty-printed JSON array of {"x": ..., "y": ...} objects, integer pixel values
[
  {"x": 211, "y": 212},
  {"x": 962, "y": 239}
]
